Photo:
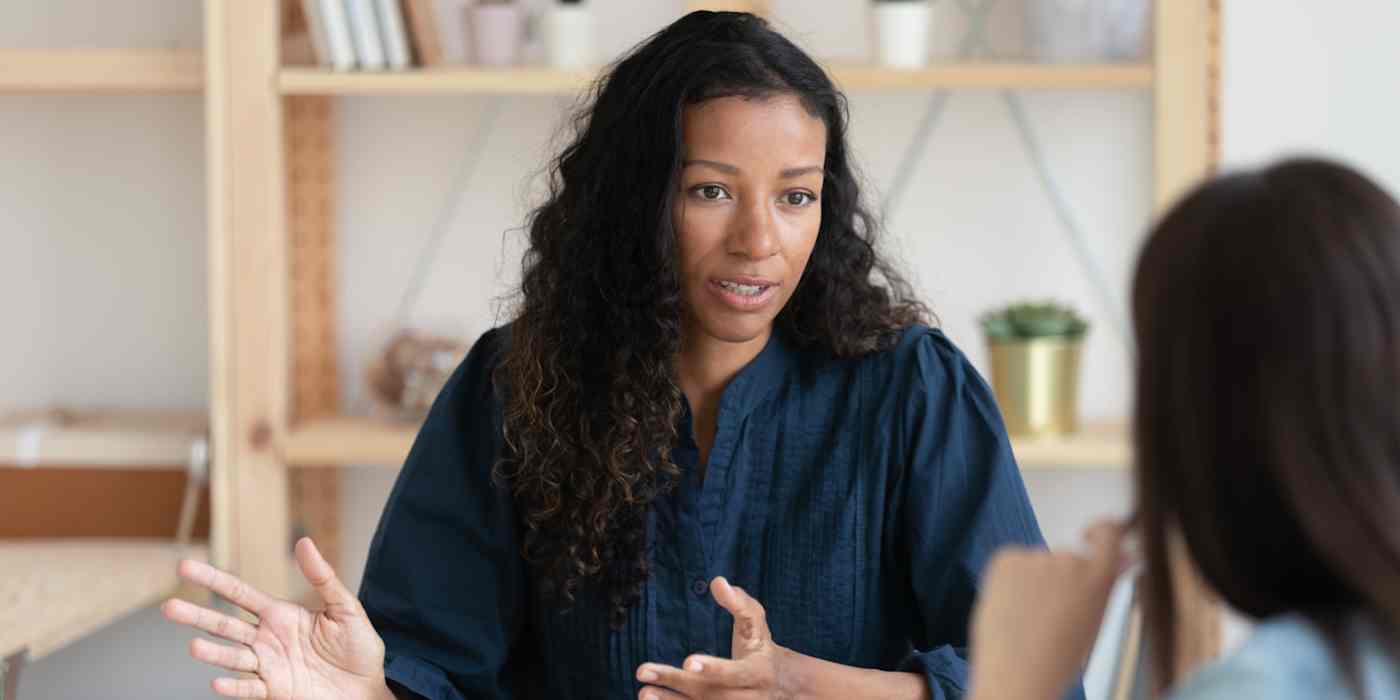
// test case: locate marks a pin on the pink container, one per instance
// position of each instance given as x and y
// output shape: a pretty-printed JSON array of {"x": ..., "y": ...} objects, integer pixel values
[{"x": 497, "y": 31}]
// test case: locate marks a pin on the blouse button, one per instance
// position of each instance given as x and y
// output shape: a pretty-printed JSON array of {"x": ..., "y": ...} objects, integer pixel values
[{"x": 699, "y": 587}]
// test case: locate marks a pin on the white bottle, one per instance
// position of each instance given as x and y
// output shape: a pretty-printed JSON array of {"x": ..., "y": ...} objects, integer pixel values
[{"x": 569, "y": 34}]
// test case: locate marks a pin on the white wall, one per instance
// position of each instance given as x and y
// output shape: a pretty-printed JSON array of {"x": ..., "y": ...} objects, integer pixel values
[{"x": 102, "y": 223}]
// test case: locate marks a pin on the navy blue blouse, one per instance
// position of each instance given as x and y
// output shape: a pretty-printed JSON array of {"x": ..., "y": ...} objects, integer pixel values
[{"x": 858, "y": 500}]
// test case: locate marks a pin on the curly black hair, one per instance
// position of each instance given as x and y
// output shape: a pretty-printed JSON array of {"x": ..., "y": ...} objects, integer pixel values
[{"x": 593, "y": 402}]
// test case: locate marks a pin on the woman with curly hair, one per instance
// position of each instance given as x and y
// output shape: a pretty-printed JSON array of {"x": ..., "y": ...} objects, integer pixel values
[{"x": 716, "y": 453}]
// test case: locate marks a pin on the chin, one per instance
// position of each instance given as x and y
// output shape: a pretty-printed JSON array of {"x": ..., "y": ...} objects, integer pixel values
[{"x": 735, "y": 330}]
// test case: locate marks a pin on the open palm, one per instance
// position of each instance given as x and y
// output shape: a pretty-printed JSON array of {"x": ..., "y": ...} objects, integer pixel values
[{"x": 294, "y": 653}]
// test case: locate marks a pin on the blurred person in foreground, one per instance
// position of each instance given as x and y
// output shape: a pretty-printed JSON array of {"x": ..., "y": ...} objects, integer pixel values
[{"x": 1267, "y": 313}]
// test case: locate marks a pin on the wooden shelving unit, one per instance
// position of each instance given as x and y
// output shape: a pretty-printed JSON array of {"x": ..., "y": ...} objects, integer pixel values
[
  {"x": 535, "y": 80},
  {"x": 101, "y": 71},
  {"x": 56, "y": 590}
]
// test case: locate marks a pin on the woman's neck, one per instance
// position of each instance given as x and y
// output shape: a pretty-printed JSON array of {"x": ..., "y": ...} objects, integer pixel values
[{"x": 704, "y": 367}]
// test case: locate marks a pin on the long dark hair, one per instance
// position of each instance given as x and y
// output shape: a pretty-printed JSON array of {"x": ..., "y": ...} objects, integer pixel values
[
  {"x": 592, "y": 401},
  {"x": 1267, "y": 312}
]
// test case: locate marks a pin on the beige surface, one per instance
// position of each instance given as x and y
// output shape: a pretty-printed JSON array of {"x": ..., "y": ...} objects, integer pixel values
[
  {"x": 539, "y": 80},
  {"x": 97, "y": 438},
  {"x": 53, "y": 592},
  {"x": 101, "y": 71}
]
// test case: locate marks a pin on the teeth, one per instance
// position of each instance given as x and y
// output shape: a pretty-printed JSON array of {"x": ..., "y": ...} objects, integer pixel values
[{"x": 744, "y": 289}]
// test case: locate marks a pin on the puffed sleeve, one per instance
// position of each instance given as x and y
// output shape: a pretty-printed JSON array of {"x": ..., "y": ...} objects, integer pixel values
[
  {"x": 445, "y": 585},
  {"x": 962, "y": 498}
]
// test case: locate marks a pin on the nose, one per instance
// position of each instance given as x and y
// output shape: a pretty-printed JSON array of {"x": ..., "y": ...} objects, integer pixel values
[{"x": 753, "y": 233}]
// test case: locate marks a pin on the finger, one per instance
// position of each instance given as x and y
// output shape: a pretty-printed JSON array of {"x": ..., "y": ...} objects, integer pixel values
[
  {"x": 750, "y": 620},
  {"x": 654, "y": 693},
  {"x": 215, "y": 623},
  {"x": 225, "y": 584},
  {"x": 687, "y": 683},
  {"x": 1105, "y": 546},
  {"x": 717, "y": 672},
  {"x": 321, "y": 576},
  {"x": 224, "y": 656},
  {"x": 240, "y": 687}
]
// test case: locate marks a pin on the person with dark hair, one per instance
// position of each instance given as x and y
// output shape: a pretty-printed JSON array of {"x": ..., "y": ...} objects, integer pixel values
[
  {"x": 1267, "y": 313},
  {"x": 717, "y": 453}
]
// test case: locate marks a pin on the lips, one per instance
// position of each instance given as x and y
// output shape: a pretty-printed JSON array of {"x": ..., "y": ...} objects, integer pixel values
[{"x": 744, "y": 293}]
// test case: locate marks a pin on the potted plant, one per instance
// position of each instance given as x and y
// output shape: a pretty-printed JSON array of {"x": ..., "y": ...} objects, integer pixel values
[
  {"x": 901, "y": 29},
  {"x": 569, "y": 34},
  {"x": 1035, "y": 349},
  {"x": 497, "y": 31}
]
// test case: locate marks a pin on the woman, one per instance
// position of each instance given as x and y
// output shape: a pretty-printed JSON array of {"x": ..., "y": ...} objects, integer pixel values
[
  {"x": 715, "y": 454},
  {"x": 1267, "y": 309}
]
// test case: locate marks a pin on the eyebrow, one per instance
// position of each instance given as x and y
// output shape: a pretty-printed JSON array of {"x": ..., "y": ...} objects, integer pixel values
[{"x": 787, "y": 174}]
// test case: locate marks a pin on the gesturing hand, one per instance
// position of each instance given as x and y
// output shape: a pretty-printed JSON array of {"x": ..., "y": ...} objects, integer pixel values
[
  {"x": 756, "y": 671},
  {"x": 1038, "y": 615},
  {"x": 330, "y": 654}
]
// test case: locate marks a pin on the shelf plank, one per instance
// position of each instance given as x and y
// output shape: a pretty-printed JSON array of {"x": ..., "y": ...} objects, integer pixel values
[
  {"x": 101, "y": 71},
  {"x": 995, "y": 75},
  {"x": 349, "y": 441},
  {"x": 54, "y": 592},
  {"x": 366, "y": 441},
  {"x": 1105, "y": 446},
  {"x": 101, "y": 438},
  {"x": 528, "y": 80},
  {"x": 446, "y": 80}
]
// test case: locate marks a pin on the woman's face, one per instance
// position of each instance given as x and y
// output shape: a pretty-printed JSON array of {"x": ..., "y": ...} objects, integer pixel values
[{"x": 747, "y": 213}]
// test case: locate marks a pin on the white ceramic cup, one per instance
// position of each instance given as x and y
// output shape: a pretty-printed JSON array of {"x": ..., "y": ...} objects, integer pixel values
[
  {"x": 901, "y": 33},
  {"x": 569, "y": 35}
]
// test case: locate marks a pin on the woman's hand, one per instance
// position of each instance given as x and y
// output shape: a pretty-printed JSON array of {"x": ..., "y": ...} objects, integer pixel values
[
  {"x": 759, "y": 668},
  {"x": 1038, "y": 615},
  {"x": 330, "y": 654},
  {"x": 762, "y": 669}
]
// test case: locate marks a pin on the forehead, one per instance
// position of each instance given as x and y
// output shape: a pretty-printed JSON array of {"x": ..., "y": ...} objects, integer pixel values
[{"x": 740, "y": 130}]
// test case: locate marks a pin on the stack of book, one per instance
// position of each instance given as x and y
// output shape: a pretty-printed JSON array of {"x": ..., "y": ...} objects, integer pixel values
[{"x": 375, "y": 35}]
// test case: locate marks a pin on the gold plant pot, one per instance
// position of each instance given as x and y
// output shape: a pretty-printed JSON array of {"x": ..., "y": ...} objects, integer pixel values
[{"x": 1037, "y": 384}]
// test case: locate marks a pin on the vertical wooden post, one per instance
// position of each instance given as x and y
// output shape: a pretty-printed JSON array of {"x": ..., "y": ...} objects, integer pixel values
[
  {"x": 1186, "y": 151},
  {"x": 1183, "y": 101},
  {"x": 315, "y": 491},
  {"x": 247, "y": 290}
]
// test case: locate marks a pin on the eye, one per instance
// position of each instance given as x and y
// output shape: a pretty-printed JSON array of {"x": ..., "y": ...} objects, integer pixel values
[
  {"x": 799, "y": 199},
  {"x": 711, "y": 193}
]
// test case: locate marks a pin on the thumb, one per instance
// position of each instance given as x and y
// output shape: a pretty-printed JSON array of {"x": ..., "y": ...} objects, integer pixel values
[
  {"x": 750, "y": 620},
  {"x": 321, "y": 576}
]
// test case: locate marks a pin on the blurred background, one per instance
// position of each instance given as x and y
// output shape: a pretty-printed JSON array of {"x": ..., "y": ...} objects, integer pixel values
[{"x": 411, "y": 203}]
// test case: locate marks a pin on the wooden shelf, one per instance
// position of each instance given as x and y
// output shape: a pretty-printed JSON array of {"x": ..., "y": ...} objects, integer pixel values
[
  {"x": 1101, "y": 446},
  {"x": 342, "y": 441},
  {"x": 540, "y": 80},
  {"x": 116, "y": 71},
  {"x": 54, "y": 592},
  {"x": 366, "y": 441},
  {"x": 107, "y": 438}
]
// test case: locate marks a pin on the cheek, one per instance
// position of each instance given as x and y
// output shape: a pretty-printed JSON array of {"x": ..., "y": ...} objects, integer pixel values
[
  {"x": 801, "y": 243},
  {"x": 699, "y": 232}
]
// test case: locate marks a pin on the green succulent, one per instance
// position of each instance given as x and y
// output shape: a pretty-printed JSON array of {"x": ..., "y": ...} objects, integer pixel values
[{"x": 1025, "y": 321}]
